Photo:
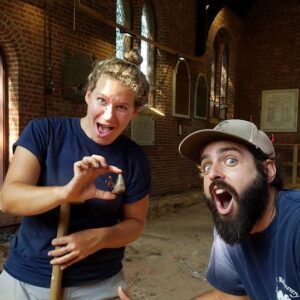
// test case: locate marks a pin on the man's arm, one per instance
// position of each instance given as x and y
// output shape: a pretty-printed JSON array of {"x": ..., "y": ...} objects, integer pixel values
[
  {"x": 216, "y": 294},
  {"x": 211, "y": 295}
]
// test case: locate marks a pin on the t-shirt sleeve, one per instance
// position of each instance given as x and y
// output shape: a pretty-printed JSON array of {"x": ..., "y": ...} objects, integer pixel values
[
  {"x": 221, "y": 272},
  {"x": 34, "y": 138},
  {"x": 139, "y": 184}
]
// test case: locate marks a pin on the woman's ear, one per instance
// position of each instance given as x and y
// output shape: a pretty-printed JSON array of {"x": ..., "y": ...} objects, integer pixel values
[
  {"x": 270, "y": 170},
  {"x": 87, "y": 95}
]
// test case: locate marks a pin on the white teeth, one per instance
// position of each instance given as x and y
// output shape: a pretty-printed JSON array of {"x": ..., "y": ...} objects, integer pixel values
[
  {"x": 219, "y": 191},
  {"x": 104, "y": 128}
]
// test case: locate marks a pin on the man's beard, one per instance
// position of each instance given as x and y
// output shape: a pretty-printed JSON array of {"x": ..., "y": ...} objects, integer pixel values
[{"x": 251, "y": 204}]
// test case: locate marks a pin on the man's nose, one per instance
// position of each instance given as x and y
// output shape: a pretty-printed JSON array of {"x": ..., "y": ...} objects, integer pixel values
[{"x": 216, "y": 172}]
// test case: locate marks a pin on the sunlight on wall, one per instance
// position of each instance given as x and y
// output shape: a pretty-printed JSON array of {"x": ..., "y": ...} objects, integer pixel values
[{"x": 13, "y": 114}]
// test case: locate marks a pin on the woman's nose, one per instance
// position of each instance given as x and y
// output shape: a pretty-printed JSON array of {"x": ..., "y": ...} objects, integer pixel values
[{"x": 108, "y": 112}]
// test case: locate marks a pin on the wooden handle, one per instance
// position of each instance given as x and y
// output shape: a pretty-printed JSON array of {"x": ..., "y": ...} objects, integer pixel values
[{"x": 56, "y": 277}]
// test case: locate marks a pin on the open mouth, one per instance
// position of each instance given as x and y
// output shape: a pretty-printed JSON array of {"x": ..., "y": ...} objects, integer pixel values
[
  {"x": 104, "y": 129},
  {"x": 224, "y": 199}
]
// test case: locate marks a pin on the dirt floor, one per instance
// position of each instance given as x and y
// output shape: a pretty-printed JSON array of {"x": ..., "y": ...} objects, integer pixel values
[{"x": 169, "y": 261}]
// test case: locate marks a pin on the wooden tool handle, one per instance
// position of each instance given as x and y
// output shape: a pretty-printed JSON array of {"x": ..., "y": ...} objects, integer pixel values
[{"x": 56, "y": 277}]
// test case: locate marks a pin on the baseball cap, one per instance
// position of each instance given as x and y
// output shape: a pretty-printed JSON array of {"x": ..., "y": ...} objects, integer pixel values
[{"x": 240, "y": 131}]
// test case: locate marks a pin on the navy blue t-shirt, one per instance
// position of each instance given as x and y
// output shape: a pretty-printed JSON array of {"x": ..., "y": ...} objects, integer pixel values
[
  {"x": 58, "y": 143},
  {"x": 266, "y": 265}
]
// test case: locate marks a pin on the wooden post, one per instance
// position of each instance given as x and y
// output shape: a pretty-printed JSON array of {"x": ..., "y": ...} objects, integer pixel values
[{"x": 56, "y": 277}]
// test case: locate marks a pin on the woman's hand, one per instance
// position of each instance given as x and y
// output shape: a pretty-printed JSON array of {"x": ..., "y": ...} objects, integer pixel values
[
  {"x": 75, "y": 247},
  {"x": 78, "y": 245},
  {"x": 82, "y": 186}
]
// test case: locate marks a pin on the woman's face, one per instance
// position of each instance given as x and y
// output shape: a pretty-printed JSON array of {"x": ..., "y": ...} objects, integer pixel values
[{"x": 110, "y": 109}]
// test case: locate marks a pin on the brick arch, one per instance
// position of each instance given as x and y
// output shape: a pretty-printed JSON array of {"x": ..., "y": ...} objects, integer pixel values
[
  {"x": 14, "y": 51},
  {"x": 224, "y": 32},
  {"x": 224, "y": 25}
]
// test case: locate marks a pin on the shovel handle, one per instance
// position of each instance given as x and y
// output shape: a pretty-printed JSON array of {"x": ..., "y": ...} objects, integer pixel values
[{"x": 56, "y": 277}]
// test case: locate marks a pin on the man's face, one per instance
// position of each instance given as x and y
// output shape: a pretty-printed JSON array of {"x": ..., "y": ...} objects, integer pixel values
[{"x": 236, "y": 192}]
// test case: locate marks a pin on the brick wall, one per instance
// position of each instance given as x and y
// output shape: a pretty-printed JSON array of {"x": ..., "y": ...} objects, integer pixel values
[
  {"x": 257, "y": 45},
  {"x": 269, "y": 56}
]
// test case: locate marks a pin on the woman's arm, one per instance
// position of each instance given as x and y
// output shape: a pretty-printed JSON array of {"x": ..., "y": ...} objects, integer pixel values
[
  {"x": 83, "y": 243},
  {"x": 21, "y": 196}
]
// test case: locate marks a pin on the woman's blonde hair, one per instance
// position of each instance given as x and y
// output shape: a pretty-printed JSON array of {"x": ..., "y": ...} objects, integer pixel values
[{"x": 126, "y": 71}]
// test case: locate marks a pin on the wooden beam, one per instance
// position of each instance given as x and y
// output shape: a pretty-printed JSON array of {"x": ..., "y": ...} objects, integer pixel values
[{"x": 97, "y": 15}]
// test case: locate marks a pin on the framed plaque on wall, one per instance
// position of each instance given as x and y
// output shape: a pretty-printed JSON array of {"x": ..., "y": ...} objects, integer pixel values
[{"x": 279, "y": 110}]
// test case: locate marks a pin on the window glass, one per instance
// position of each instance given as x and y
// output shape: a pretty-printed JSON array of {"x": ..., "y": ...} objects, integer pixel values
[
  {"x": 181, "y": 90},
  {"x": 201, "y": 97},
  {"x": 123, "y": 41}
]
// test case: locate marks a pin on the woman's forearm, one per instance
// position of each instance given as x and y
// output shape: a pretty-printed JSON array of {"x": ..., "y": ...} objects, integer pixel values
[{"x": 25, "y": 200}]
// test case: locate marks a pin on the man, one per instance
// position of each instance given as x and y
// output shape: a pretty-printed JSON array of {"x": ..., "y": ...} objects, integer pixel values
[{"x": 256, "y": 248}]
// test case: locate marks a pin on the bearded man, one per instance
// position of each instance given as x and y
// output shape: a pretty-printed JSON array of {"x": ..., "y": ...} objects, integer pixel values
[{"x": 256, "y": 249}]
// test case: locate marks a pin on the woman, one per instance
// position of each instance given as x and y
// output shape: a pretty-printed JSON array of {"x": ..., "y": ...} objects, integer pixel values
[{"x": 76, "y": 161}]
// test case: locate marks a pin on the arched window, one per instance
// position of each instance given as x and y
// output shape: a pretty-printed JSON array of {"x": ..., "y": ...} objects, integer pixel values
[
  {"x": 181, "y": 89},
  {"x": 224, "y": 83},
  {"x": 147, "y": 50},
  {"x": 219, "y": 77},
  {"x": 212, "y": 98},
  {"x": 201, "y": 97},
  {"x": 123, "y": 17}
]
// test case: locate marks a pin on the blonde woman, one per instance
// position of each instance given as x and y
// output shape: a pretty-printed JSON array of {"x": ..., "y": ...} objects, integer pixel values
[{"x": 76, "y": 161}]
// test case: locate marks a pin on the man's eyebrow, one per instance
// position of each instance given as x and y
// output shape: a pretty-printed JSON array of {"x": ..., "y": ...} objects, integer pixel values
[{"x": 220, "y": 151}]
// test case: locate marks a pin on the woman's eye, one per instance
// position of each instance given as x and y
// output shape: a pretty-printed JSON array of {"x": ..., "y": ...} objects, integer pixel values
[
  {"x": 101, "y": 100},
  {"x": 231, "y": 162},
  {"x": 122, "y": 108}
]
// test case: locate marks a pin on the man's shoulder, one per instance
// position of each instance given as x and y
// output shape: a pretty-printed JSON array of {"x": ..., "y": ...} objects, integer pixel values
[
  {"x": 288, "y": 201},
  {"x": 289, "y": 194}
]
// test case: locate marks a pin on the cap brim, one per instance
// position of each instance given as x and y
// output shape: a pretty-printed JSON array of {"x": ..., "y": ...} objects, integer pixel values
[{"x": 192, "y": 145}]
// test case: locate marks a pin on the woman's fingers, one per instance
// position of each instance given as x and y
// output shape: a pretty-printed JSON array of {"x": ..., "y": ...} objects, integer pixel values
[
  {"x": 63, "y": 255},
  {"x": 95, "y": 162},
  {"x": 105, "y": 195}
]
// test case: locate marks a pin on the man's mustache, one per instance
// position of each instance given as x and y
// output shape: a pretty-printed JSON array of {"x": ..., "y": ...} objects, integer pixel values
[{"x": 220, "y": 184}]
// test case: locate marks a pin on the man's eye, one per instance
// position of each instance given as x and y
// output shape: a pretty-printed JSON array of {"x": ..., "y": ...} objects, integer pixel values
[
  {"x": 231, "y": 162},
  {"x": 205, "y": 168}
]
